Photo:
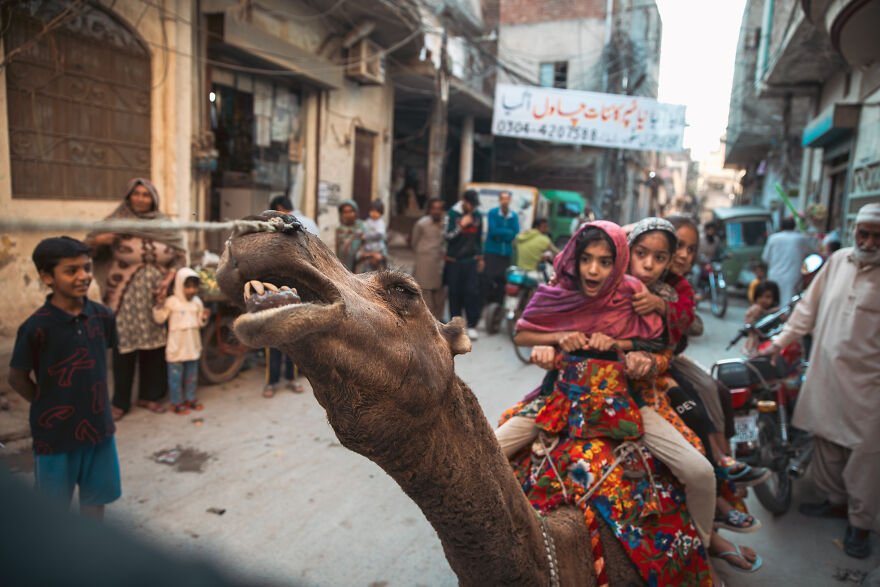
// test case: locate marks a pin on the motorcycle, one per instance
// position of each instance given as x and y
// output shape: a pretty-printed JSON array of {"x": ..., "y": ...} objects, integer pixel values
[
  {"x": 763, "y": 396},
  {"x": 520, "y": 287},
  {"x": 712, "y": 286}
]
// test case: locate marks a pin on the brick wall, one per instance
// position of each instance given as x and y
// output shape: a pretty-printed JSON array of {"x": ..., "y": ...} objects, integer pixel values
[{"x": 528, "y": 11}]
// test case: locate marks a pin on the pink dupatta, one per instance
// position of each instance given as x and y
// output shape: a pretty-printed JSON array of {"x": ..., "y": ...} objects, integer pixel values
[{"x": 564, "y": 307}]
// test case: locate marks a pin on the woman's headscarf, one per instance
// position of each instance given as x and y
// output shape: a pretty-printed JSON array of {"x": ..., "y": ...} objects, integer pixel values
[
  {"x": 650, "y": 224},
  {"x": 172, "y": 238},
  {"x": 565, "y": 307},
  {"x": 349, "y": 238}
]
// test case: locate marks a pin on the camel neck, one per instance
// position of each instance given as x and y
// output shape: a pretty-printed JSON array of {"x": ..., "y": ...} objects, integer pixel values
[{"x": 457, "y": 475}]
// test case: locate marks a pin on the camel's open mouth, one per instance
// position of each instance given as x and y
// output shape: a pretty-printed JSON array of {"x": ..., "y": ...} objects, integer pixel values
[
  {"x": 265, "y": 295},
  {"x": 305, "y": 304}
]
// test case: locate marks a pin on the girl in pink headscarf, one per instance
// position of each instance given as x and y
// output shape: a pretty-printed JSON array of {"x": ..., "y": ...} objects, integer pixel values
[
  {"x": 586, "y": 317},
  {"x": 581, "y": 327}
]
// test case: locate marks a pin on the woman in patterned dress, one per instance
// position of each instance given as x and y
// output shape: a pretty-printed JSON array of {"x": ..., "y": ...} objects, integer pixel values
[{"x": 136, "y": 269}]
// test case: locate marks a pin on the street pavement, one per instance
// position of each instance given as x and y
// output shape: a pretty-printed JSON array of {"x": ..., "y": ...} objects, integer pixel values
[{"x": 263, "y": 488}]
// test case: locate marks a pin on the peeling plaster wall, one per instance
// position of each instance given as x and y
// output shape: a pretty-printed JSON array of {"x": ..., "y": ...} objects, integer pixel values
[
  {"x": 171, "y": 132},
  {"x": 370, "y": 108},
  {"x": 554, "y": 41}
]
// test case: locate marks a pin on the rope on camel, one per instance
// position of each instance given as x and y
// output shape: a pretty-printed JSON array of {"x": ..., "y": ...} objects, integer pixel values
[{"x": 237, "y": 227}]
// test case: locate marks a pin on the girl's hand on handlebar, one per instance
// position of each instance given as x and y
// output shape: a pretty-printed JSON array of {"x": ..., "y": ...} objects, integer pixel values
[
  {"x": 601, "y": 342},
  {"x": 572, "y": 341},
  {"x": 543, "y": 356}
]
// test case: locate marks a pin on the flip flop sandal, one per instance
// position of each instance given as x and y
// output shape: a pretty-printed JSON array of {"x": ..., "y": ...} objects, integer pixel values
[
  {"x": 755, "y": 565},
  {"x": 295, "y": 387},
  {"x": 269, "y": 391},
  {"x": 727, "y": 465},
  {"x": 737, "y": 521},
  {"x": 117, "y": 413}
]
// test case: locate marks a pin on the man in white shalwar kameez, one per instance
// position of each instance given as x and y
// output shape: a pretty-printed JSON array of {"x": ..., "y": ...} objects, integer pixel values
[
  {"x": 839, "y": 402},
  {"x": 784, "y": 254}
]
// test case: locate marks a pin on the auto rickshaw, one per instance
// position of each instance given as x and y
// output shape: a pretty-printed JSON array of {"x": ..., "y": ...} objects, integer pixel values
[{"x": 744, "y": 231}]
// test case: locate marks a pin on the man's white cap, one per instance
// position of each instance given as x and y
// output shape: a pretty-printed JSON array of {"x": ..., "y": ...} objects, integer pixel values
[{"x": 869, "y": 213}]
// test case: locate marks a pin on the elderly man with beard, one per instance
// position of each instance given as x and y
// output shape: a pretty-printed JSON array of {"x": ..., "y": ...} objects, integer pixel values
[{"x": 840, "y": 399}]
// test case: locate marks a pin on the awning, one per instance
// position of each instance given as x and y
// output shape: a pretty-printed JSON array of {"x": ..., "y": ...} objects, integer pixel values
[
  {"x": 239, "y": 40},
  {"x": 835, "y": 123}
]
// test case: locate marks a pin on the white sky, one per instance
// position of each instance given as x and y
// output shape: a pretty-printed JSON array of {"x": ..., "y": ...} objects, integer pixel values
[{"x": 696, "y": 65}]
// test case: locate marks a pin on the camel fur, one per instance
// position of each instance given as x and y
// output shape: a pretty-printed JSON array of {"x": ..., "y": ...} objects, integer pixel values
[{"x": 383, "y": 369}]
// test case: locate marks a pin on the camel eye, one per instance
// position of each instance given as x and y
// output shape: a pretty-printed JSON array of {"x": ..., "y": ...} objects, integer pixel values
[{"x": 402, "y": 289}]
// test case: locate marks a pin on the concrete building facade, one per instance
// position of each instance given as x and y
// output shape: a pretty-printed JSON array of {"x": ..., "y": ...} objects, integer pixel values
[
  {"x": 608, "y": 46},
  {"x": 804, "y": 107},
  {"x": 224, "y": 104}
]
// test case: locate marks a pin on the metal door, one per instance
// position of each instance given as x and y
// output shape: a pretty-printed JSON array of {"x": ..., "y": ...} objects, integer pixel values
[
  {"x": 362, "y": 188},
  {"x": 78, "y": 100}
]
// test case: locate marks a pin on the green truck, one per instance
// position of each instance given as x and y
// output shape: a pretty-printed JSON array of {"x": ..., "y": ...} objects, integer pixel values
[{"x": 560, "y": 208}]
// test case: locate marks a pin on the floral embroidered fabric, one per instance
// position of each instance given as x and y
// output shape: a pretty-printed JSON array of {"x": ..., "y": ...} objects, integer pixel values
[{"x": 640, "y": 499}]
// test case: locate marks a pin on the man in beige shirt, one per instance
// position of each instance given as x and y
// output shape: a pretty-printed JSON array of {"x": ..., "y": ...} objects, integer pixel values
[
  {"x": 839, "y": 402},
  {"x": 428, "y": 244}
]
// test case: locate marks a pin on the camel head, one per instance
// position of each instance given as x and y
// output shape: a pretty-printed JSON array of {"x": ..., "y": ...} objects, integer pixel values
[{"x": 367, "y": 343}]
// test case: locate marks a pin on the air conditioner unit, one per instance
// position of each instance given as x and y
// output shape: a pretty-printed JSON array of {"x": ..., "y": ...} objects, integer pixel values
[{"x": 365, "y": 63}]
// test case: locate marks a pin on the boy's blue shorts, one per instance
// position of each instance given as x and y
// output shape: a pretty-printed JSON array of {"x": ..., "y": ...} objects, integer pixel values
[{"x": 94, "y": 468}]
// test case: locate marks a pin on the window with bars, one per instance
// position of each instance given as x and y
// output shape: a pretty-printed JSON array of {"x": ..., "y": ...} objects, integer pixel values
[{"x": 554, "y": 75}]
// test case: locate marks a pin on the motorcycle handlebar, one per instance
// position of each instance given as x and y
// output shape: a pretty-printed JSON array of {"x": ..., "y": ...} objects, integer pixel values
[{"x": 741, "y": 333}]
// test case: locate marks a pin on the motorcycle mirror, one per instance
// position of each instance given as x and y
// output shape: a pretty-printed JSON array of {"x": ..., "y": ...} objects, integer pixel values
[{"x": 812, "y": 263}]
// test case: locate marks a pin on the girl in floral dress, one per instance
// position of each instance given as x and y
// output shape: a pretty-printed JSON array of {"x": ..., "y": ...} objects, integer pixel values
[{"x": 578, "y": 329}]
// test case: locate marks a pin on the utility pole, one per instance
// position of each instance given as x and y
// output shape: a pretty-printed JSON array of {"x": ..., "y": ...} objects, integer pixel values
[{"x": 439, "y": 127}]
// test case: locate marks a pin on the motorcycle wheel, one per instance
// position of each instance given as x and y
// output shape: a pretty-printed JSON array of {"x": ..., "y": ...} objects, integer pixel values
[
  {"x": 494, "y": 315},
  {"x": 523, "y": 353},
  {"x": 719, "y": 301},
  {"x": 774, "y": 493}
]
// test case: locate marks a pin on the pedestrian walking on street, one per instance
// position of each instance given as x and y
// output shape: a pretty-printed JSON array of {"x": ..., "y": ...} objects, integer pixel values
[
  {"x": 428, "y": 244},
  {"x": 274, "y": 361},
  {"x": 502, "y": 228},
  {"x": 64, "y": 344},
  {"x": 185, "y": 314},
  {"x": 838, "y": 402},
  {"x": 464, "y": 260},
  {"x": 135, "y": 267},
  {"x": 784, "y": 254}
]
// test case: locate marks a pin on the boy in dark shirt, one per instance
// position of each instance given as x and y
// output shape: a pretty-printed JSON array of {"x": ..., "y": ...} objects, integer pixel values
[
  {"x": 464, "y": 259},
  {"x": 64, "y": 343}
]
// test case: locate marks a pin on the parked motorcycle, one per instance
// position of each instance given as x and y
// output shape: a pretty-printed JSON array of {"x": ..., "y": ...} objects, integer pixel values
[
  {"x": 712, "y": 286},
  {"x": 763, "y": 397},
  {"x": 521, "y": 285}
]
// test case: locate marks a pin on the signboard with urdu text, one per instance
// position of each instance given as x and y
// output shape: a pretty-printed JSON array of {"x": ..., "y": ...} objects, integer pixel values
[{"x": 587, "y": 118}]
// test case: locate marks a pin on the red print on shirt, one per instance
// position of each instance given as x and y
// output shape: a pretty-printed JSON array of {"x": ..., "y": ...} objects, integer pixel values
[
  {"x": 98, "y": 397},
  {"x": 47, "y": 418},
  {"x": 66, "y": 368},
  {"x": 95, "y": 325},
  {"x": 85, "y": 431}
]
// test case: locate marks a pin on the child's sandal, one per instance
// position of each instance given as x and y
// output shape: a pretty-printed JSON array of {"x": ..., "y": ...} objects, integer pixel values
[
  {"x": 195, "y": 405},
  {"x": 180, "y": 409}
]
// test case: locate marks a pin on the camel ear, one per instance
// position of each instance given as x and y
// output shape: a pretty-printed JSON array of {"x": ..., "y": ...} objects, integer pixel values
[{"x": 455, "y": 336}]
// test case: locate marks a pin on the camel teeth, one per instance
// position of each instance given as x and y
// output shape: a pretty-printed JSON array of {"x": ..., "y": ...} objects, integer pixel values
[
  {"x": 285, "y": 288},
  {"x": 258, "y": 287},
  {"x": 247, "y": 291},
  {"x": 271, "y": 286},
  {"x": 294, "y": 291}
]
